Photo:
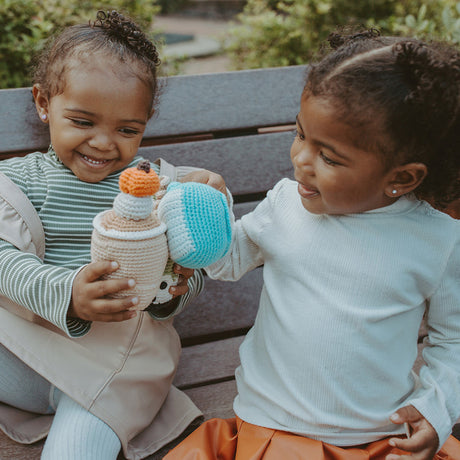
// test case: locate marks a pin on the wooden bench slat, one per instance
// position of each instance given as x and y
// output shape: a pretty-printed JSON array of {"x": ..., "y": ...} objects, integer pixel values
[
  {"x": 223, "y": 309},
  {"x": 206, "y": 103},
  {"x": 214, "y": 400},
  {"x": 240, "y": 209},
  {"x": 20, "y": 128},
  {"x": 11, "y": 450},
  {"x": 204, "y": 363},
  {"x": 262, "y": 159},
  {"x": 228, "y": 101}
]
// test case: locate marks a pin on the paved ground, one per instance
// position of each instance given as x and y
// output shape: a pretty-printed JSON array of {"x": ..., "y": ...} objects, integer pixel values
[{"x": 204, "y": 52}]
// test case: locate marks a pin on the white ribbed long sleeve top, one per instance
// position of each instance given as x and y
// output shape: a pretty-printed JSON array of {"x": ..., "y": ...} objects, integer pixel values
[{"x": 331, "y": 352}]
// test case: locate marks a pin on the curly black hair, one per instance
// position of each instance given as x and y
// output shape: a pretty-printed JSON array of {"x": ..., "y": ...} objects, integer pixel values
[
  {"x": 111, "y": 34},
  {"x": 405, "y": 93}
]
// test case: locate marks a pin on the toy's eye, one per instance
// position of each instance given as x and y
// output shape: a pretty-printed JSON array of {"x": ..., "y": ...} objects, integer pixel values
[{"x": 163, "y": 285}]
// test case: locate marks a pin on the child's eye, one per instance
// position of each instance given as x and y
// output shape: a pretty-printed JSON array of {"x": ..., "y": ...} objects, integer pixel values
[
  {"x": 327, "y": 160},
  {"x": 129, "y": 131},
  {"x": 78, "y": 122},
  {"x": 299, "y": 135}
]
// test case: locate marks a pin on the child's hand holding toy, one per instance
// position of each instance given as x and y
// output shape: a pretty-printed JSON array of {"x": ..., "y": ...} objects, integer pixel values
[{"x": 190, "y": 227}]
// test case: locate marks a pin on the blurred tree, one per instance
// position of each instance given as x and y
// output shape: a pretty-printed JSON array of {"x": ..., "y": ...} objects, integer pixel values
[
  {"x": 271, "y": 33},
  {"x": 26, "y": 24}
]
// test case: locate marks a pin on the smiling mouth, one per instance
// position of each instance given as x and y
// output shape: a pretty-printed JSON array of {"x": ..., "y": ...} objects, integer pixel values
[
  {"x": 93, "y": 161},
  {"x": 306, "y": 192}
]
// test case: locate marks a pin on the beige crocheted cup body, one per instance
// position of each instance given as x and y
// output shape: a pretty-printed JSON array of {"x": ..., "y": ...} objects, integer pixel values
[{"x": 141, "y": 255}]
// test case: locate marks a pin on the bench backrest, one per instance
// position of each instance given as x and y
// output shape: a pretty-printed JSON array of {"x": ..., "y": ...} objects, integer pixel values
[{"x": 239, "y": 124}]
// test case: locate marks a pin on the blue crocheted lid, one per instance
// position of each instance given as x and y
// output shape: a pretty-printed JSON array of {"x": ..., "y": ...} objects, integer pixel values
[{"x": 198, "y": 221}]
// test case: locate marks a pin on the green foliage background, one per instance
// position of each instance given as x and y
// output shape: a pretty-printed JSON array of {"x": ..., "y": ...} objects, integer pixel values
[
  {"x": 271, "y": 33},
  {"x": 26, "y": 24},
  {"x": 268, "y": 33}
]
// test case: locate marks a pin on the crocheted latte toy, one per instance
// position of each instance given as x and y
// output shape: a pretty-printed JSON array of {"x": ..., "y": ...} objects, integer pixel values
[
  {"x": 132, "y": 235},
  {"x": 188, "y": 222}
]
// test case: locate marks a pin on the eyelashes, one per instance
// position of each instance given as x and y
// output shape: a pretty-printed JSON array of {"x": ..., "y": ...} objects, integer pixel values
[
  {"x": 300, "y": 137},
  {"x": 327, "y": 160}
]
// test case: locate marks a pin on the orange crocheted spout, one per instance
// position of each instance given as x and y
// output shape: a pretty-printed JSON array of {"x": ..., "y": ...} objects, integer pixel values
[{"x": 140, "y": 181}]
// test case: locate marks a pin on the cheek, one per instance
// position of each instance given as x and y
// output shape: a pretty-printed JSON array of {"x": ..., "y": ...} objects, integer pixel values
[
  {"x": 334, "y": 183},
  {"x": 62, "y": 133},
  {"x": 295, "y": 149},
  {"x": 292, "y": 151}
]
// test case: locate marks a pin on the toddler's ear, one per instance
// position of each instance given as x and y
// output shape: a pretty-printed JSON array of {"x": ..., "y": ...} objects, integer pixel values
[
  {"x": 41, "y": 102},
  {"x": 405, "y": 179}
]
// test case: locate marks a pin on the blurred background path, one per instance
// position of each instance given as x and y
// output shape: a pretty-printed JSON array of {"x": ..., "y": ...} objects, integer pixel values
[{"x": 198, "y": 39}]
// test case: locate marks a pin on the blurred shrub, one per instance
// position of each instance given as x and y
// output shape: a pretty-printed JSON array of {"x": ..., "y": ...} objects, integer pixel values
[
  {"x": 442, "y": 23},
  {"x": 172, "y": 6},
  {"x": 271, "y": 33},
  {"x": 26, "y": 24}
]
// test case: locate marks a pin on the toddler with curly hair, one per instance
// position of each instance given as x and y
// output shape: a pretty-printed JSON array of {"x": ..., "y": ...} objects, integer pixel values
[
  {"x": 353, "y": 259},
  {"x": 86, "y": 368}
]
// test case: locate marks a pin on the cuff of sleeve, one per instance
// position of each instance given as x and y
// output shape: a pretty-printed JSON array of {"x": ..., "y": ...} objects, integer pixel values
[
  {"x": 73, "y": 327},
  {"x": 77, "y": 327},
  {"x": 428, "y": 403},
  {"x": 166, "y": 310}
]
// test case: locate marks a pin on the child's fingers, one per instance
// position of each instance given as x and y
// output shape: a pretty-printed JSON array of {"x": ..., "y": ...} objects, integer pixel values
[
  {"x": 216, "y": 181},
  {"x": 180, "y": 288},
  {"x": 206, "y": 177},
  {"x": 412, "y": 444},
  {"x": 421, "y": 445},
  {"x": 95, "y": 270},
  {"x": 106, "y": 288},
  {"x": 185, "y": 272},
  {"x": 406, "y": 414},
  {"x": 114, "y": 310}
]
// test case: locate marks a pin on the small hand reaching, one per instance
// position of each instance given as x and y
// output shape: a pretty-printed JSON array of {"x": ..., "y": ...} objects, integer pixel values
[
  {"x": 184, "y": 274},
  {"x": 91, "y": 295},
  {"x": 207, "y": 177},
  {"x": 423, "y": 440}
]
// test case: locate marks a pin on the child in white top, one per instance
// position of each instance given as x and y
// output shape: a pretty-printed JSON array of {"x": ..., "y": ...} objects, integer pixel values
[
  {"x": 354, "y": 257},
  {"x": 102, "y": 368}
]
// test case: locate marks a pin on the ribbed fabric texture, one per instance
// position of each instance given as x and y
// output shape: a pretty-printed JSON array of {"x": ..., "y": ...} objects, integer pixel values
[
  {"x": 66, "y": 207},
  {"x": 76, "y": 434},
  {"x": 335, "y": 337},
  {"x": 22, "y": 387},
  {"x": 197, "y": 217}
]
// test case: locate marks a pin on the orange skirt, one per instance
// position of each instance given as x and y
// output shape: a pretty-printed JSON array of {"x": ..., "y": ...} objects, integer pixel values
[{"x": 234, "y": 439}]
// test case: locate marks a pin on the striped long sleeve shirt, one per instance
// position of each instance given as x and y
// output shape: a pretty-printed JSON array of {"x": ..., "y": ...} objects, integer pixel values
[{"x": 66, "y": 207}]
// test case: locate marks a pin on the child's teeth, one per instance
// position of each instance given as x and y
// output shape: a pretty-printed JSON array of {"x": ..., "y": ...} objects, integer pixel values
[{"x": 96, "y": 162}]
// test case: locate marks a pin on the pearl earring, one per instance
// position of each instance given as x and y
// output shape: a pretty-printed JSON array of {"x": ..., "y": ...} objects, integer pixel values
[
  {"x": 44, "y": 116},
  {"x": 394, "y": 191}
]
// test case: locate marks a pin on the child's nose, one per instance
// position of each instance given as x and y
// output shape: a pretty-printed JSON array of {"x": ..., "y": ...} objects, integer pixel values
[
  {"x": 101, "y": 141},
  {"x": 304, "y": 160}
]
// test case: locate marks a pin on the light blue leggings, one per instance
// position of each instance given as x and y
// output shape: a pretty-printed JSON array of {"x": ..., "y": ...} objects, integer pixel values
[{"x": 75, "y": 434}]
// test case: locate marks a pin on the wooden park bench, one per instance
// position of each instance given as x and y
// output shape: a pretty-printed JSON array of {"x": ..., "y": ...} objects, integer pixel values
[{"x": 239, "y": 124}]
